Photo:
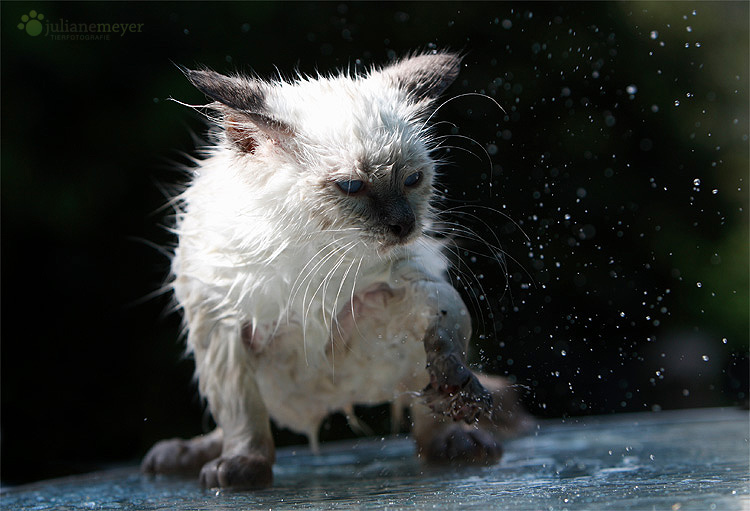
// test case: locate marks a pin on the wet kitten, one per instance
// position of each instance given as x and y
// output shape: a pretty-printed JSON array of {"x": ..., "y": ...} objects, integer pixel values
[{"x": 306, "y": 278}]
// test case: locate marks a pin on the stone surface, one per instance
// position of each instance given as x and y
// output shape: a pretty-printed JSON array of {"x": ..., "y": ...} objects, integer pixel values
[{"x": 678, "y": 460}]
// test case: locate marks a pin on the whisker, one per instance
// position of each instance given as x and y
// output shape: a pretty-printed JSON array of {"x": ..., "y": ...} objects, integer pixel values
[
  {"x": 465, "y": 94},
  {"x": 457, "y": 209},
  {"x": 458, "y": 148},
  {"x": 351, "y": 299},
  {"x": 466, "y": 283},
  {"x": 294, "y": 290},
  {"x": 306, "y": 310},
  {"x": 309, "y": 279}
]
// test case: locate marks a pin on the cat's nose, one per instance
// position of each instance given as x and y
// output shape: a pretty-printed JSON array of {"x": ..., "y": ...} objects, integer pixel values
[{"x": 403, "y": 227}]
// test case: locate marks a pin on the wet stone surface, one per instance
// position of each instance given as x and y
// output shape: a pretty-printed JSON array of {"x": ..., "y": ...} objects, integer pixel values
[{"x": 679, "y": 460}]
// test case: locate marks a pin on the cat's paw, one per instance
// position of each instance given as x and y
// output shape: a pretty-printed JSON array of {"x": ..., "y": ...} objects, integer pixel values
[
  {"x": 174, "y": 456},
  {"x": 457, "y": 444},
  {"x": 238, "y": 472},
  {"x": 455, "y": 392}
]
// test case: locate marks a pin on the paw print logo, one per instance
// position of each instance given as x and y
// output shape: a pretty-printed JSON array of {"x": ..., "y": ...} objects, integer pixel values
[{"x": 32, "y": 23}]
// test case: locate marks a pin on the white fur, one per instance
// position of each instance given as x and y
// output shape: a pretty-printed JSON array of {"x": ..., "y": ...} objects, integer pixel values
[{"x": 252, "y": 252}]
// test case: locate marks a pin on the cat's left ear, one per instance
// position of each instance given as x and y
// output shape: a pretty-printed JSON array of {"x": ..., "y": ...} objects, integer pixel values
[
  {"x": 424, "y": 76},
  {"x": 242, "y": 101}
]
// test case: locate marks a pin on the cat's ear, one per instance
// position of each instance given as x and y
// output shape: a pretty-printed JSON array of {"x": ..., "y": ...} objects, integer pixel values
[
  {"x": 424, "y": 76},
  {"x": 242, "y": 102}
]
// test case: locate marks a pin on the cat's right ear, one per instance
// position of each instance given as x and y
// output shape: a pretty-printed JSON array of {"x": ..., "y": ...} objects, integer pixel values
[
  {"x": 242, "y": 102},
  {"x": 425, "y": 76}
]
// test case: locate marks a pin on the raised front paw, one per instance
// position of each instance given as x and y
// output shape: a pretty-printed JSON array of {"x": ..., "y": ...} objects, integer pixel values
[
  {"x": 454, "y": 391},
  {"x": 238, "y": 472},
  {"x": 459, "y": 444}
]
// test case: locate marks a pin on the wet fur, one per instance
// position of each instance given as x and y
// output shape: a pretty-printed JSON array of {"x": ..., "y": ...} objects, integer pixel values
[{"x": 300, "y": 300}]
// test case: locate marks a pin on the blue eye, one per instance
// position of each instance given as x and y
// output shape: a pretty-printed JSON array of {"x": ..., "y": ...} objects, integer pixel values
[
  {"x": 349, "y": 187},
  {"x": 413, "y": 179}
]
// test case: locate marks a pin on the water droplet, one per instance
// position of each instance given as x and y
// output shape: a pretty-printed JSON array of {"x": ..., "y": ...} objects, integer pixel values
[
  {"x": 654, "y": 34},
  {"x": 563, "y": 353},
  {"x": 676, "y": 102},
  {"x": 696, "y": 182},
  {"x": 714, "y": 191},
  {"x": 631, "y": 89},
  {"x": 689, "y": 28},
  {"x": 699, "y": 284},
  {"x": 724, "y": 340},
  {"x": 705, "y": 358}
]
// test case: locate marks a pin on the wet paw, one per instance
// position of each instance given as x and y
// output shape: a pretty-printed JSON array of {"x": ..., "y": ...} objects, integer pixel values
[
  {"x": 466, "y": 401},
  {"x": 174, "y": 456},
  {"x": 239, "y": 472},
  {"x": 461, "y": 445}
]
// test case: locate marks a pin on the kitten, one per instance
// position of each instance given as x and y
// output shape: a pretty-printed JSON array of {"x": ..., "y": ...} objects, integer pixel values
[{"x": 307, "y": 280}]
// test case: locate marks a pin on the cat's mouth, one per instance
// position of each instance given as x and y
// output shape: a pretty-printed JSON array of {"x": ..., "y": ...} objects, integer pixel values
[{"x": 389, "y": 241}]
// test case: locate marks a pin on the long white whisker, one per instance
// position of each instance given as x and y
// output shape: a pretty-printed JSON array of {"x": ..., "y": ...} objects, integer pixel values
[
  {"x": 306, "y": 308},
  {"x": 326, "y": 281},
  {"x": 334, "y": 309},
  {"x": 294, "y": 290},
  {"x": 458, "y": 97},
  {"x": 458, "y": 209},
  {"x": 307, "y": 289},
  {"x": 466, "y": 282},
  {"x": 458, "y": 148},
  {"x": 351, "y": 298},
  {"x": 335, "y": 320}
]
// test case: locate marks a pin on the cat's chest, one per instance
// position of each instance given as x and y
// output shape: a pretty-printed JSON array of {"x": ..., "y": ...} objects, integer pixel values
[
  {"x": 369, "y": 353},
  {"x": 378, "y": 322}
]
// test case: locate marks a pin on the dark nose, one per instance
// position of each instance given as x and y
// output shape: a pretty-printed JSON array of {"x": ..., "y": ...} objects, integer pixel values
[
  {"x": 403, "y": 227},
  {"x": 398, "y": 217}
]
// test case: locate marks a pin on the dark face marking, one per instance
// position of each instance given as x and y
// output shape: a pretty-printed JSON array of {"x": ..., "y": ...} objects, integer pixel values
[
  {"x": 398, "y": 216},
  {"x": 386, "y": 200}
]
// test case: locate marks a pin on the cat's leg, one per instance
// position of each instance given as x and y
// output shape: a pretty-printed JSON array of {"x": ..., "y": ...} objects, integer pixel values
[
  {"x": 180, "y": 456},
  {"x": 441, "y": 440},
  {"x": 226, "y": 379},
  {"x": 454, "y": 390}
]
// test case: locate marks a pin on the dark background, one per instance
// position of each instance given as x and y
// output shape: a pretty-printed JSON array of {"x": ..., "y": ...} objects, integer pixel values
[{"x": 617, "y": 186}]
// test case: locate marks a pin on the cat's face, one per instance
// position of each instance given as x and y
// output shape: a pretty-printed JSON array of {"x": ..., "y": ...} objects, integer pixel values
[
  {"x": 384, "y": 199},
  {"x": 356, "y": 148}
]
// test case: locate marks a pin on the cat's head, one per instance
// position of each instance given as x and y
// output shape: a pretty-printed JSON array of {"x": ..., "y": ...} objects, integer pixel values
[{"x": 352, "y": 151}]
